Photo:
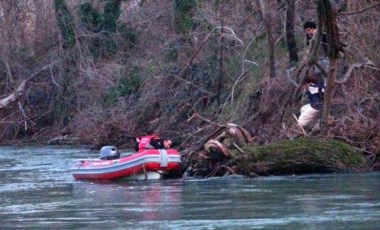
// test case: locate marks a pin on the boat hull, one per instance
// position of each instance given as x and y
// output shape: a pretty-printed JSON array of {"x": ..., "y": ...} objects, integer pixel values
[{"x": 164, "y": 163}]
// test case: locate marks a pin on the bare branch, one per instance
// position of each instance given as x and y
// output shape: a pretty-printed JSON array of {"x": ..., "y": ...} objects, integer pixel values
[
  {"x": 362, "y": 10},
  {"x": 183, "y": 71},
  {"x": 321, "y": 68},
  {"x": 294, "y": 83},
  {"x": 351, "y": 69},
  {"x": 13, "y": 96},
  {"x": 196, "y": 115},
  {"x": 20, "y": 89}
]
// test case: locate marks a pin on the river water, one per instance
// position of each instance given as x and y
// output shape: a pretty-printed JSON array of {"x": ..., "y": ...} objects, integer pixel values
[{"x": 37, "y": 191}]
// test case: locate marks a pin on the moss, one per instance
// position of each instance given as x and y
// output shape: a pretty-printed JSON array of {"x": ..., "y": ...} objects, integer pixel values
[{"x": 303, "y": 155}]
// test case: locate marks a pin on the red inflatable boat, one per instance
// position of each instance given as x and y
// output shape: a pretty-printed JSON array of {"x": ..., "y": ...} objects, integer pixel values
[{"x": 148, "y": 164}]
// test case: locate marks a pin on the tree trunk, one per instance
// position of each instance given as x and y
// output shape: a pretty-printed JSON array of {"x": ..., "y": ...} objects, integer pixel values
[
  {"x": 220, "y": 80},
  {"x": 266, "y": 14},
  {"x": 327, "y": 15},
  {"x": 290, "y": 38},
  {"x": 301, "y": 156}
]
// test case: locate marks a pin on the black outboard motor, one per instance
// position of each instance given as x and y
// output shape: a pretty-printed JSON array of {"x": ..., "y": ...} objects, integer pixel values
[{"x": 109, "y": 153}]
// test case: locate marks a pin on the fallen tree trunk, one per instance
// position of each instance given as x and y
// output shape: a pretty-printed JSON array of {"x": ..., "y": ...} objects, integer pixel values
[
  {"x": 4, "y": 102},
  {"x": 13, "y": 96},
  {"x": 301, "y": 156}
]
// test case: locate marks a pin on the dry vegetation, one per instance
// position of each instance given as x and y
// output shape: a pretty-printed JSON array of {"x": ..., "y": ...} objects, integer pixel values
[{"x": 101, "y": 80}]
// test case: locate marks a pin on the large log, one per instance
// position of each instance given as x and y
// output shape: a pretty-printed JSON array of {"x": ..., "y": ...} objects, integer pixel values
[{"x": 301, "y": 156}]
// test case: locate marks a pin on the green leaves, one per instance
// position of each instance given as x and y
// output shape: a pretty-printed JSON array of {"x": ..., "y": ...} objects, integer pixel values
[{"x": 65, "y": 23}]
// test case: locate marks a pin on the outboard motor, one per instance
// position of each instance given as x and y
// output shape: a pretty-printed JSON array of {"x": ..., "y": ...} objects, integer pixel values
[{"x": 109, "y": 153}]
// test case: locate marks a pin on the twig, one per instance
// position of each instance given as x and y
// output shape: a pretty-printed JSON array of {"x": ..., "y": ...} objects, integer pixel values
[
  {"x": 231, "y": 35},
  {"x": 289, "y": 78},
  {"x": 204, "y": 119},
  {"x": 303, "y": 131},
  {"x": 238, "y": 147},
  {"x": 360, "y": 11},
  {"x": 24, "y": 115},
  {"x": 321, "y": 68},
  {"x": 217, "y": 169},
  {"x": 290, "y": 129},
  {"x": 183, "y": 71}
]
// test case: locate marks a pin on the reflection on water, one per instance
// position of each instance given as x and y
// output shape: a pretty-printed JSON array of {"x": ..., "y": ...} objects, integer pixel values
[
  {"x": 38, "y": 192},
  {"x": 137, "y": 201}
]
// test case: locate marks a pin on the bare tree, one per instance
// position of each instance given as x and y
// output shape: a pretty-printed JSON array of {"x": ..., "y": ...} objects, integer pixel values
[
  {"x": 290, "y": 38},
  {"x": 327, "y": 18},
  {"x": 265, "y": 10}
]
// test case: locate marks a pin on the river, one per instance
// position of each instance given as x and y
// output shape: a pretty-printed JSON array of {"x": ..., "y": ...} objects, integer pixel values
[{"x": 37, "y": 191}]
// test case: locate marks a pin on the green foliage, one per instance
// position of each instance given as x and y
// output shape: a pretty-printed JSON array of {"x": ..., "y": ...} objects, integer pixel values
[
  {"x": 128, "y": 85},
  {"x": 110, "y": 15},
  {"x": 65, "y": 23},
  {"x": 103, "y": 47},
  {"x": 128, "y": 34},
  {"x": 107, "y": 43},
  {"x": 172, "y": 54},
  {"x": 90, "y": 17},
  {"x": 183, "y": 15}
]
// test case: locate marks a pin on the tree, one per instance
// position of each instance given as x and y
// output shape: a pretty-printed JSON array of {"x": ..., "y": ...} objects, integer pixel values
[
  {"x": 65, "y": 23},
  {"x": 265, "y": 11},
  {"x": 290, "y": 38},
  {"x": 327, "y": 20}
]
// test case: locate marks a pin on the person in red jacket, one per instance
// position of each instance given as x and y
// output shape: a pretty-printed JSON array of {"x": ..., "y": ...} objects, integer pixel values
[{"x": 143, "y": 142}]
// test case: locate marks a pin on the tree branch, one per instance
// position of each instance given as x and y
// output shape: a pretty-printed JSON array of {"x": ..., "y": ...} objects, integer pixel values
[
  {"x": 20, "y": 89},
  {"x": 362, "y": 10},
  {"x": 351, "y": 69}
]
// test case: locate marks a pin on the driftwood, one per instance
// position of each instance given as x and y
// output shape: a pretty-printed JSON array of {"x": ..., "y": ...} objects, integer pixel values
[
  {"x": 62, "y": 140},
  {"x": 223, "y": 137},
  {"x": 223, "y": 143}
]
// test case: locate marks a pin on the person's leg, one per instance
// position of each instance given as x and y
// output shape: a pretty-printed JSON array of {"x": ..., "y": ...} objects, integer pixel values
[{"x": 308, "y": 114}]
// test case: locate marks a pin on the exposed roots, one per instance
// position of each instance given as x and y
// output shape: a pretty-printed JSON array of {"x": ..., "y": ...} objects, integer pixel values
[{"x": 225, "y": 142}]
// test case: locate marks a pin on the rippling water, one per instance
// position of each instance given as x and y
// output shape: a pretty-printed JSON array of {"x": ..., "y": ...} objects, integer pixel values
[{"x": 37, "y": 191}]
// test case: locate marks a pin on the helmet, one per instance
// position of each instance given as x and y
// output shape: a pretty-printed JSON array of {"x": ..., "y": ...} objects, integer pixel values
[{"x": 109, "y": 153}]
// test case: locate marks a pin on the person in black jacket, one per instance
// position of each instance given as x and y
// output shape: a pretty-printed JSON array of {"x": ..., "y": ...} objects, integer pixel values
[
  {"x": 161, "y": 143},
  {"x": 310, "y": 29},
  {"x": 315, "y": 89}
]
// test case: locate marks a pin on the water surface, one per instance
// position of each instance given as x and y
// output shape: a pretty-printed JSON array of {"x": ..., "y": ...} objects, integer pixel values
[{"x": 37, "y": 191}]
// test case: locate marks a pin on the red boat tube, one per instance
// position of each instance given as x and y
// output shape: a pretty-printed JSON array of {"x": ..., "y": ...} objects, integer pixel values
[{"x": 167, "y": 163}]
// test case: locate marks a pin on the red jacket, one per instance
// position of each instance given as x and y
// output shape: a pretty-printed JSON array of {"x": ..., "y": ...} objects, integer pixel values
[{"x": 145, "y": 140}]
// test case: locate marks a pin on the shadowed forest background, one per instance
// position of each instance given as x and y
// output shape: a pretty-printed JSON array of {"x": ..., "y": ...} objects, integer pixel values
[{"x": 101, "y": 72}]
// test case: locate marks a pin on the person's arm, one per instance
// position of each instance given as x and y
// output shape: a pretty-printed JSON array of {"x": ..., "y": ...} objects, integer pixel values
[{"x": 157, "y": 143}]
